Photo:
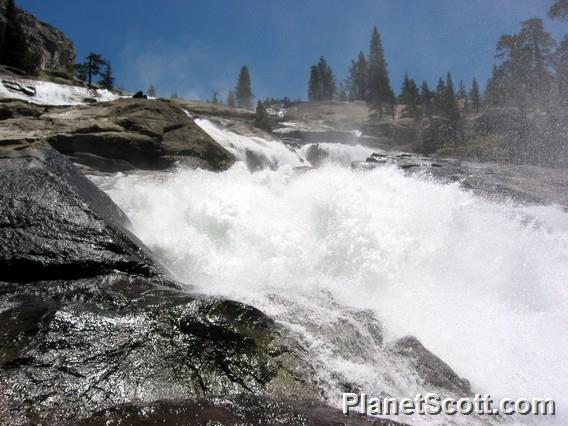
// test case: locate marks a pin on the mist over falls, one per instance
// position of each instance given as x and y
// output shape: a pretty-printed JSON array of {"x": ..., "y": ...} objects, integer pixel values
[{"x": 331, "y": 252}]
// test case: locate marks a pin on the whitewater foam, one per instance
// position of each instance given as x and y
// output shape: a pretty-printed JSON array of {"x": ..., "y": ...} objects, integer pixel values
[{"x": 481, "y": 284}]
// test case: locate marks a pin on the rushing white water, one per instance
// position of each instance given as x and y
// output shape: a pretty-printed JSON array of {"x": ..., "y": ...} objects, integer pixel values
[{"x": 481, "y": 284}]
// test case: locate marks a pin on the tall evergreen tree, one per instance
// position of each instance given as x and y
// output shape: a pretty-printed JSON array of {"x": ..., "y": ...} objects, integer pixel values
[
  {"x": 14, "y": 47},
  {"x": 462, "y": 96},
  {"x": 451, "y": 108},
  {"x": 231, "y": 99},
  {"x": 314, "y": 85},
  {"x": 152, "y": 91},
  {"x": 426, "y": 99},
  {"x": 439, "y": 97},
  {"x": 243, "y": 90},
  {"x": 523, "y": 77},
  {"x": 321, "y": 86},
  {"x": 495, "y": 88},
  {"x": 358, "y": 80},
  {"x": 94, "y": 62},
  {"x": 380, "y": 91},
  {"x": 475, "y": 96},
  {"x": 328, "y": 86},
  {"x": 107, "y": 80},
  {"x": 561, "y": 64},
  {"x": 409, "y": 94}
]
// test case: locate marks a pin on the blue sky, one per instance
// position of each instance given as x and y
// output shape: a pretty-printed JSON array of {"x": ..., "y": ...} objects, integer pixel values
[{"x": 193, "y": 47}]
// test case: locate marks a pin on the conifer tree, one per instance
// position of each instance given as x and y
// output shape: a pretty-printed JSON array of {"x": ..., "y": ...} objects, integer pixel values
[
  {"x": 561, "y": 63},
  {"x": 358, "y": 80},
  {"x": 426, "y": 99},
  {"x": 409, "y": 94},
  {"x": 559, "y": 10},
  {"x": 327, "y": 80},
  {"x": 262, "y": 119},
  {"x": 314, "y": 85},
  {"x": 439, "y": 97},
  {"x": 243, "y": 90},
  {"x": 474, "y": 96},
  {"x": 523, "y": 78},
  {"x": 451, "y": 109},
  {"x": 14, "y": 47},
  {"x": 231, "y": 99},
  {"x": 321, "y": 86},
  {"x": 107, "y": 80},
  {"x": 380, "y": 91},
  {"x": 152, "y": 91},
  {"x": 494, "y": 88},
  {"x": 91, "y": 66}
]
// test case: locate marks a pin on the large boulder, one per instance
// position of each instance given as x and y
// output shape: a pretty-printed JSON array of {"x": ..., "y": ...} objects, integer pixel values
[
  {"x": 116, "y": 136},
  {"x": 89, "y": 320},
  {"x": 50, "y": 48}
]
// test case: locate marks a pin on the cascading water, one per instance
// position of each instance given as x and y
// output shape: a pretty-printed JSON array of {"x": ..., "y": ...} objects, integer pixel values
[{"x": 480, "y": 284}]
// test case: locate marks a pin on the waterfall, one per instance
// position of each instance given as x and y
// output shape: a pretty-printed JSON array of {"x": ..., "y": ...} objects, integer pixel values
[{"x": 482, "y": 284}]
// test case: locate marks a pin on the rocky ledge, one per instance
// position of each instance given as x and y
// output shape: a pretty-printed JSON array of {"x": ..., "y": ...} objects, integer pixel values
[{"x": 114, "y": 136}]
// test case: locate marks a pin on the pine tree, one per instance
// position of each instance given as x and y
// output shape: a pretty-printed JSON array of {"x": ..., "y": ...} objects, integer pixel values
[
  {"x": 426, "y": 99},
  {"x": 474, "y": 96},
  {"x": 231, "y": 99},
  {"x": 94, "y": 62},
  {"x": 243, "y": 90},
  {"x": 152, "y": 91},
  {"x": 409, "y": 94},
  {"x": 262, "y": 119},
  {"x": 494, "y": 89},
  {"x": 559, "y": 10},
  {"x": 314, "y": 85},
  {"x": 327, "y": 80},
  {"x": 81, "y": 71},
  {"x": 439, "y": 97},
  {"x": 561, "y": 64},
  {"x": 523, "y": 77},
  {"x": 451, "y": 108},
  {"x": 321, "y": 86},
  {"x": 14, "y": 47},
  {"x": 358, "y": 80},
  {"x": 107, "y": 80},
  {"x": 380, "y": 91}
]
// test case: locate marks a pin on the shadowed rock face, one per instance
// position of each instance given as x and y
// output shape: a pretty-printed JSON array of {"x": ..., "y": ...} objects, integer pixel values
[
  {"x": 49, "y": 47},
  {"x": 123, "y": 135},
  {"x": 240, "y": 409}
]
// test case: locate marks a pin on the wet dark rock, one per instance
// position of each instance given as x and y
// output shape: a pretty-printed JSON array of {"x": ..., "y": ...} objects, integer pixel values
[
  {"x": 116, "y": 136},
  {"x": 50, "y": 221},
  {"x": 240, "y": 409},
  {"x": 431, "y": 369},
  {"x": 139, "y": 95},
  {"x": 14, "y": 86},
  {"x": 89, "y": 320}
]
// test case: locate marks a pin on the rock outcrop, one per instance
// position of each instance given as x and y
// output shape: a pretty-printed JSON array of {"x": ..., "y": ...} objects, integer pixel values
[
  {"x": 89, "y": 321},
  {"x": 49, "y": 47},
  {"x": 115, "y": 136}
]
